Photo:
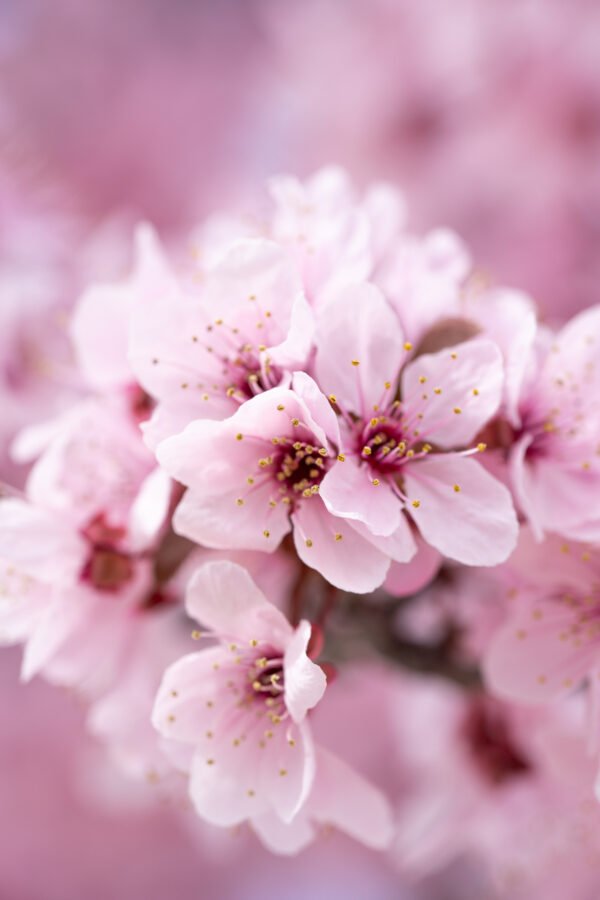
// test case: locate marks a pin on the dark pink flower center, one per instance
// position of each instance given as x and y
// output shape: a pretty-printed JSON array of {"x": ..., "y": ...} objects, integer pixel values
[
  {"x": 299, "y": 467},
  {"x": 248, "y": 374},
  {"x": 493, "y": 748},
  {"x": 107, "y": 567},
  {"x": 387, "y": 441}
]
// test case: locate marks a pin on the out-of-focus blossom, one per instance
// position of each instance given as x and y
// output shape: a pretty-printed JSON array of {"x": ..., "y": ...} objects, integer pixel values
[{"x": 241, "y": 706}]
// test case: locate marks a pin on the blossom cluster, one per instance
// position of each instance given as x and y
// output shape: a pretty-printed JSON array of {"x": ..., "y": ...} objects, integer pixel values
[{"x": 327, "y": 449}]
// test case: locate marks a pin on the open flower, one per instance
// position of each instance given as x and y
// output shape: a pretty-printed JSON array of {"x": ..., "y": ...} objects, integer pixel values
[
  {"x": 555, "y": 462},
  {"x": 407, "y": 432},
  {"x": 258, "y": 474},
  {"x": 76, "y": 550},
  {"x": 550, "y": 642},
  {"x": 241, "y": 706},
  {"x": 202, "y": 347}
]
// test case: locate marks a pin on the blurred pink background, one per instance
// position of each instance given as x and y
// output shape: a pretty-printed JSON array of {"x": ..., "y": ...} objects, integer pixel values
[{"x": 485, "y": 113}]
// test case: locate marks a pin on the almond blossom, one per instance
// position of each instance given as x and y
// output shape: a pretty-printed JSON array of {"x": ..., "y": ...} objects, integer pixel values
[
  {"x": 257, "y": 475},
  {"x": 201, "y": 345},
  {"x": 408, "y": 430},
  {"x": 241, "y": 707},
  {"x": 555, "y": 460},
  {"x": 76, "y": 548},
  {"x": 549, "y": 644}
]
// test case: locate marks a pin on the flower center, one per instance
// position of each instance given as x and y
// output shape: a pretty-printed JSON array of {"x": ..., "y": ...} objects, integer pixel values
[
  {"x": 299, "y": 467},
  {"x": 386, "y": 442},
  {"x": 493, "y": 748},
  {"x": 107, "y": 567},
  {"x": 249, "y": 373}
]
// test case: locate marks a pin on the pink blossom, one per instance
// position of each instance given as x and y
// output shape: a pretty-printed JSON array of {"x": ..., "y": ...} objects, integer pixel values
[
  {"x": 555, "y": 466},
  {"x": 241, "y": 706},
  {"x": 256, "y": 475},
  {"x": 550, "y": 642},
  {"x": 202, "y": 349},
  {"x": 407, "y": 456},
  {"x": 76, "y": 549},
  {"x": 517, "y": 780}
]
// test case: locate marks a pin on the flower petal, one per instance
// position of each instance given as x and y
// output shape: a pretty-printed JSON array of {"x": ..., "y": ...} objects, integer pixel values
[
  {"x": 348, "y": 491},
  {"x": 462, "y": 510},
  {"x": 469, "y": 380},
  {"x": 223, "y": 597},
  {"x": 360, "y": 347},
  {"x": 336, "y": 550},
  {"x": 343, "y": 798},
  {"x": 305, "y": 682}
]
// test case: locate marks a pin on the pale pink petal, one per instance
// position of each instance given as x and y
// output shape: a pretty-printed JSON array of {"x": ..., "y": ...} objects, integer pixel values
[
  {"x": 400, "y": 546},
  {"x": 508, "y": 317},
  {"x": 318, "y": 405},
  {"x": 343, "y": 798},
  {"x": 23, "y": 601},
  {"x": 405, "y": 579},
  {"x": 348, "y": 491},
  {"x": 221, "y": 522},
  {"x": 237, "y": 781},
  {"x": 223, "y": 597},
  {"x": 191, "y": 697},
  {"x": 286, "y": 838},
  {"x": 305, "y": 682},
  {"x": 256, "y": 276},
  {"x": 294, "y": 350},
  {"x": 39, "y": 542},
  {"x": 469, "y": 380},
  {"x": 555, "y": 495},
  {"x": 462, "y": 511},
  {"x": 349, "y": 562},
  {"x": 165, "y": 350},
  {"x": 99, "y": 329},
  {"x": 574, "y": 352},
  {"x": 205, "y": 455},
  {"x": 149, "y": 510},
  {"x": 536, "y": 656},
  {"x": 360, "y": 347}
]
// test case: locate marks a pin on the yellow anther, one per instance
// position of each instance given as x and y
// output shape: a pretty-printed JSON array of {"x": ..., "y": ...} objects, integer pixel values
[
  {"x": 457, "y": 410},
  {"x": 295, "y": 421},
  {"x": 437, "y": 390},
  {"x": 422, "y": 379},
  {"x": 308, "y": 542},
  {"x": 240, "y": 501},
  {"x": 375, "y": 481},
  {"x": 280, "y": 407},
  {"x": 239, "y": 436},
  {"x": 338, "y": 536},
  {"x": 408, "y": 346},
  {"x": 196, "y": 635},
  {"x": 457, "y": 488},
  {"x": 267, "y": 533},
  {"x": 341, "y": 457},
  {"x": 388, "y": 385},
  {"x": 332, "y": 398},
  {"x": 356, "y": 362},
  {"x": 454, "y": 356},
  {"x": 475, "y": 392},
  {"x": 416, "y": 503},
  {"x": 481, "y": 447},
  {"x": 366, "y": 450}
]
